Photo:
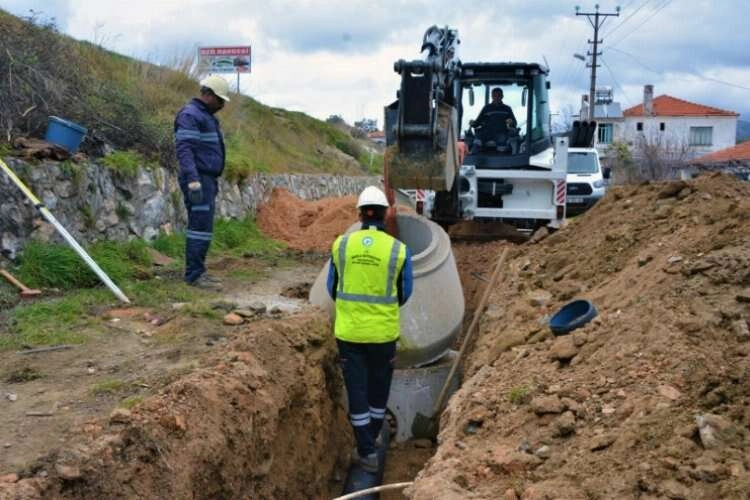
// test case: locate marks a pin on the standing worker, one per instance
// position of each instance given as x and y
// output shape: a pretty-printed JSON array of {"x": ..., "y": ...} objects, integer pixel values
[
  {"x": 201, "y": 154},
  {"x": 370, "y": 278}
]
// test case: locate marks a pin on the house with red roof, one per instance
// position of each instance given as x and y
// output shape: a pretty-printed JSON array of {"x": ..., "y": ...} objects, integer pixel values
[
  {"x": 734, "y": 160},
  {"x": 682, "y": 129},
  {"x": 377, "y": 136}
]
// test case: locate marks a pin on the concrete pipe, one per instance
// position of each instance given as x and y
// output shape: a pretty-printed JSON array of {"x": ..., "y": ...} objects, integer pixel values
[{"x": 431, "y": 319}]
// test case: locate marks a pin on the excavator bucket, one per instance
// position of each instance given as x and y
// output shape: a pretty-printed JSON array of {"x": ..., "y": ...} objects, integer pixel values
[
  {"x": 422, "y": 125},
  {"x": 419, "y": 164}
]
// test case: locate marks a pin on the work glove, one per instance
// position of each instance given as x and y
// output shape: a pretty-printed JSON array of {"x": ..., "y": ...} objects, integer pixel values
[{"x": 195, "y": 193}]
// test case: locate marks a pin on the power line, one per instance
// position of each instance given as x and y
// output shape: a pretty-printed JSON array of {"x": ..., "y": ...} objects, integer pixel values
[
  {"x": 612, "y": 74},
  {"x": 695, "y": 74},
  {"x": 609, "y": 33},
  {"x": 653, "y": 14}
]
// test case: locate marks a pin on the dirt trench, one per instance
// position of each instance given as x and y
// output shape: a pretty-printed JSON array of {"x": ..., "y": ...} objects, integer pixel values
[
  {"x": 259, "y": 420},
  {"x": 262, "y": 418}
]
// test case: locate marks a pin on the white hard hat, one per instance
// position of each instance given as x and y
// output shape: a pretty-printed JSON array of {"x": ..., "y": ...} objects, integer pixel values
[
  {"x": 372, "y": 196},
  {"x": 218, "y": 86}
]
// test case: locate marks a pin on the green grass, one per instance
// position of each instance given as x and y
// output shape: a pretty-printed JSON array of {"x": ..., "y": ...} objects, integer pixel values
[
  {"x": 201, "y": 310},
  {"x": 153, "y": 293},
  {"x": 375, "y": 167},
  {"x": 25, "y": 374},
  {"x": 243, "y": 236},
  {"x": 109, "y": 386},
  {"x": 122, "y": 211},
  {"x": 172, "y": 245},
  {"x": 73, "y": 319},
  {"x": 63, "y": 320},
  {"x": 131, "y": 104},
  {"x": 130, "y": 402},
  {"x": 519, "y": 395},
  {"x": 73, "y": 171},
  {"x": 232, "y": 236},
  {"x": 126, "y": 163},
  {"x": 58, "y": 266},
  {"x": 88, "y": 216}
]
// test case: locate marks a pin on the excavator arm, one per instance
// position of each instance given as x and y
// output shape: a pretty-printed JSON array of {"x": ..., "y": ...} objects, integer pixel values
[{"x": 421, "y": 125}]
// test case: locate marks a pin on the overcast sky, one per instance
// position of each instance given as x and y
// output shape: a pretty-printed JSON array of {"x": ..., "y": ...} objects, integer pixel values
[{"x": 336, "y": 57}]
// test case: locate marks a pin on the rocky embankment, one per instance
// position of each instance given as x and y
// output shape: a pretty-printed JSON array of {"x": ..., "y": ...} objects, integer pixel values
[{"x": 94, "y": 202}]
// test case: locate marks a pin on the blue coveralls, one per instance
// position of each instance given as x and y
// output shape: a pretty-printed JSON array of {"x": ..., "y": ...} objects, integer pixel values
[
  {"x": 368, "y": 367},
  {"x": 201, "y": 155}
]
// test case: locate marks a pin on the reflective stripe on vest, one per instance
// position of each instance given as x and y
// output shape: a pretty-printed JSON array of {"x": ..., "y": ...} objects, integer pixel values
[{"x": 388, "y": 298}]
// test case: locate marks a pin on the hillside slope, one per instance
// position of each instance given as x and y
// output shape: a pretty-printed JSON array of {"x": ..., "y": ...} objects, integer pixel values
[{"x": 130, "y": 104}]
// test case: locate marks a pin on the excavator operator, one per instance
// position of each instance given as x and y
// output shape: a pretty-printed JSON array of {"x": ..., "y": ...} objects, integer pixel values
[{"x": 495, "y": 120}]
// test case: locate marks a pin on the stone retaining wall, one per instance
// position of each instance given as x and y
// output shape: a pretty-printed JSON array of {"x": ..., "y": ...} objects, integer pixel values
[{"x": 95, "y": 203}]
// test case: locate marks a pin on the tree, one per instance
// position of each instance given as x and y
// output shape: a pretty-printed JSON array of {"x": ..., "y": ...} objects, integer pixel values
[
  {"x": 335, "y": 120},
  {"x": 367, "y": 124},
  {"x": 651, "y": 158},
  {"x": 623, "y": 166}
]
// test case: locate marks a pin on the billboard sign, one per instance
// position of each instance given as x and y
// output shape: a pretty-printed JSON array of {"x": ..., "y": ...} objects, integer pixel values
[{"x": 224, "y": 59}]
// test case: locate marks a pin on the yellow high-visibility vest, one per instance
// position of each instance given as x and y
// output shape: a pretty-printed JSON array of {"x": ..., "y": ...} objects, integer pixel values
[{"x": 368, "y": 263}]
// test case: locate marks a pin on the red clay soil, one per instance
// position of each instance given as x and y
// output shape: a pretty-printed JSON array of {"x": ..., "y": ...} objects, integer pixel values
[
  {"x": 306, "y": 225},
  {"x": 261, "y": 420},
  {"x": 652, "y": 398}
]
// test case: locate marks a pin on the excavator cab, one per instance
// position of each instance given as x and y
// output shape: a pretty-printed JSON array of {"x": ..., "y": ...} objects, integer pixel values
[
  {"x": 502, "y": 167},
  {"x": 494, "y": 130},
  {"x": 504, "y": 138}
]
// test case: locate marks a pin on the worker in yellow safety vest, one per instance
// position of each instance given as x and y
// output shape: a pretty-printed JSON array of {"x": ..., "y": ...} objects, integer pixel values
[{"x": 370, "y": 278}]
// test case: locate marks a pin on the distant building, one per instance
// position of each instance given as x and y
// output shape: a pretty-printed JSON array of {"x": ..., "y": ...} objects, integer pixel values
[
  {"x": 377, "y": 136},
  {"x": 694, "y": 129},
  {"x": 609, "y": 118},
  {"x": 734, "y": 160},
  {"x": 367, "y": 124},
  {"x": 680, "y": 128}
]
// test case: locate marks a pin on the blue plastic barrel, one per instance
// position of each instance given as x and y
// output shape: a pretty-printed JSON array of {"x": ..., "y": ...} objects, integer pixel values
[{"x": 64, "y": 133}]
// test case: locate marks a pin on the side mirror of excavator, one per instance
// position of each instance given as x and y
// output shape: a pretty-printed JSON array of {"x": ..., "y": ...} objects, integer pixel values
[
  {"x": 523, "y": 97},
  {"x": 471, "y": 97}
]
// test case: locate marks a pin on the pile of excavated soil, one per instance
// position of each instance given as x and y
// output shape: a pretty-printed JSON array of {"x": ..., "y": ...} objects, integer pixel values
[
  {"x": 475, "y": 263},
  {"x": 649, "y": 400},
  {"x": 260, "y": 420},
  {"x": 306, "y": 225}
]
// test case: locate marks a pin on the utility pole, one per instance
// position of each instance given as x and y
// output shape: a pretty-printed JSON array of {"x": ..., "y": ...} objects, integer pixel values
[{"x": 596, "y": 19}]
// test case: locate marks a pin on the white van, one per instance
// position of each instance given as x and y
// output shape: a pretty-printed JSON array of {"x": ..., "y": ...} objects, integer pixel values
[{"x": 585, "y": 179}]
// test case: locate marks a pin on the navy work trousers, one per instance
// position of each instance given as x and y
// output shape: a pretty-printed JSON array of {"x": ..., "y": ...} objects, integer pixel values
[
  {"x": 368, "y": 370},
  {"x": 200, "y": 226}
]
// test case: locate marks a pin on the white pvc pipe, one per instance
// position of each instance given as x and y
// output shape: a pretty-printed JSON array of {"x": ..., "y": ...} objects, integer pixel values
[
  {"x": 79, "y": 249},
  {"x": 64, "y": 233},
  {"x": 376, "y": 489}
]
